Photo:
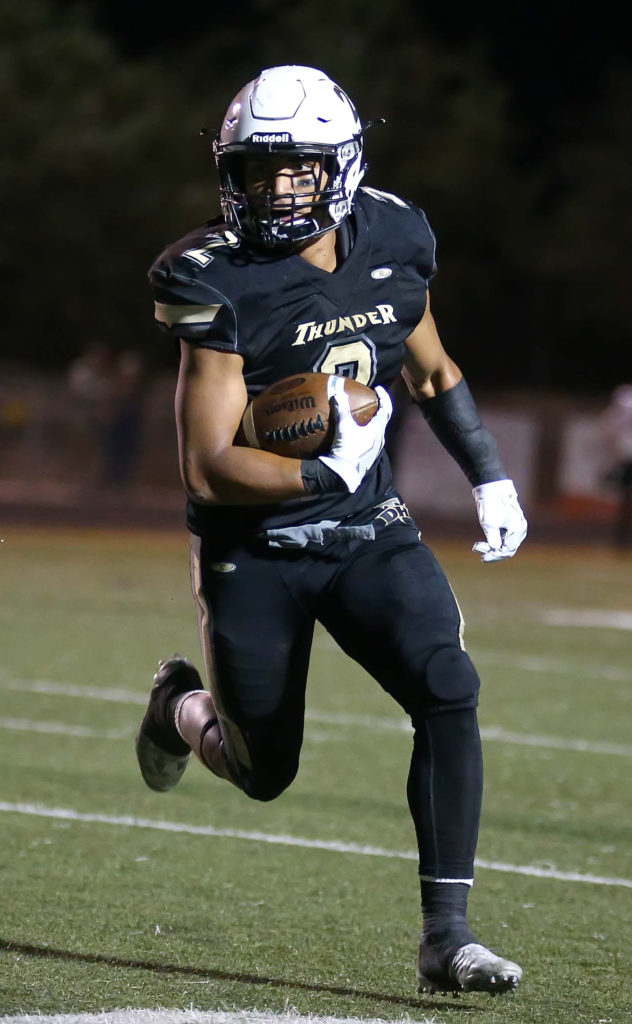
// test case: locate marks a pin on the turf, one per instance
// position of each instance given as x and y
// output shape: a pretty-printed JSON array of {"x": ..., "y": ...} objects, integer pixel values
[{"x": 97, "y": 916}]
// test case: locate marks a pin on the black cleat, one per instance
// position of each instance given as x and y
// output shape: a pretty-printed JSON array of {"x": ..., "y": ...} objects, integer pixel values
[
  {"x": 469, "y": 968},
  {"x": 162, "y": 753}
]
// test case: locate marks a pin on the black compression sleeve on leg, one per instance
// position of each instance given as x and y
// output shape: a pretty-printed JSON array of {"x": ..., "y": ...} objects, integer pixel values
[
  {"x": 454, "y": 420},
  {"x": 445, "y": 787}
]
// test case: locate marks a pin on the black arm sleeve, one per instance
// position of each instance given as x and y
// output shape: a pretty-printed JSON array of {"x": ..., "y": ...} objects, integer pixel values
[{"x": 453, "y": 418}]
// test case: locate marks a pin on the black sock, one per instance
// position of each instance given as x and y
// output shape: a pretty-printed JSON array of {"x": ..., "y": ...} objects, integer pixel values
[{"x": 444, "y": 909}]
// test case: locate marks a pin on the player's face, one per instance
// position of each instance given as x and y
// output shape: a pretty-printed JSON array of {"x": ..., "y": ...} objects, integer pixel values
[{"x": 283, "y": 180}]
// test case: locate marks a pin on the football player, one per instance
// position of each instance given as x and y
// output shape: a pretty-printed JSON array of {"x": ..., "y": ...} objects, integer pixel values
[{"x": 305, "y": 270}]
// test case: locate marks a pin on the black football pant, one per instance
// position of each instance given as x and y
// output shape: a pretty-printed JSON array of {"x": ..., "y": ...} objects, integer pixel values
[{"x": 389, "y": 606}]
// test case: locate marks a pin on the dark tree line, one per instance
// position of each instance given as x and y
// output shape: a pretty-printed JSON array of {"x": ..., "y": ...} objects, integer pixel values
[{"x": 103, "y": 164}]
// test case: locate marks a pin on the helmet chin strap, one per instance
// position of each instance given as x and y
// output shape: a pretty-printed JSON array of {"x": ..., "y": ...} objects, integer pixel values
[
  {"x": 294, "y": 234},
  {"x": 287, "y": 226},
  {"x": 297, "y": 223}
]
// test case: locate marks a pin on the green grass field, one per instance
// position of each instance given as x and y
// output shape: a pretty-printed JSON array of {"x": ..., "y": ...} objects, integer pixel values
[{"x": 104, "y": 906}]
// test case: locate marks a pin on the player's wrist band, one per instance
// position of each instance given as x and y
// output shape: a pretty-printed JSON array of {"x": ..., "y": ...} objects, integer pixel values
[
  {"x": 454, "y": 420},
  {"x": 318, "y": 478}
]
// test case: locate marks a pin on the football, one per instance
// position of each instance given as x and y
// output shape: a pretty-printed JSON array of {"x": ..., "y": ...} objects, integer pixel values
[{"x": 292, "y": 417}]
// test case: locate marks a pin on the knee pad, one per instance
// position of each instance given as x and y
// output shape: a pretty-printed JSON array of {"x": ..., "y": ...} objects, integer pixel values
[
  {"x": 451, "y": 679},
  {"x": 266, "y": 787}
]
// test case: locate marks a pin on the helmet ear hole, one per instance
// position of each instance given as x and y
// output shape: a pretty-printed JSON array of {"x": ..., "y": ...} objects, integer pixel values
[
  {"x": 233, "y": 166},
  {"x": 330, "y": 166}
]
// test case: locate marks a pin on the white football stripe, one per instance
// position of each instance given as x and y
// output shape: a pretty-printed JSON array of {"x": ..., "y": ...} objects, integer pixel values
[
  {"x": 248, "y": 425},
  {"x": 332, "y": 846}
]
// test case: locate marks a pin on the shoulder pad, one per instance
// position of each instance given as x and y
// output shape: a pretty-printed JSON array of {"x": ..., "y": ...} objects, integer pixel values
[
  {"x": 200, "y": 247},
  {"x": 189, "y": 293},
  {"x": 385, "y": 197},
  {"x": 196, "y": 250},
  {"x": 403, "y": 225}
]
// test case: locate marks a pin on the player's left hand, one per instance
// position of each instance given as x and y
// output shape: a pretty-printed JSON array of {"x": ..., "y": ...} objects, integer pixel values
[
  {"x": 355, "y": 448},
  {"x": 502, "y": 519}
]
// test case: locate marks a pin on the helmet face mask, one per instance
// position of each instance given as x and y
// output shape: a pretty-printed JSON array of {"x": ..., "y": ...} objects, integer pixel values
[{"x": 288, "y": 117}]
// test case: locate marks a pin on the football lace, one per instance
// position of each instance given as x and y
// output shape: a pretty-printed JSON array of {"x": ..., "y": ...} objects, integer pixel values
[{"x": 295, "y": 431}]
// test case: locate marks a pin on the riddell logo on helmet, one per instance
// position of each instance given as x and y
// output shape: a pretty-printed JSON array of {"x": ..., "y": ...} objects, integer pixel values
[{"x": 271, "y": 137}]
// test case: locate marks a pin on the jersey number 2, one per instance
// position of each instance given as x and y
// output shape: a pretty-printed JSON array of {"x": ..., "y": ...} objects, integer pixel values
[{"x": 352, "y": 358}]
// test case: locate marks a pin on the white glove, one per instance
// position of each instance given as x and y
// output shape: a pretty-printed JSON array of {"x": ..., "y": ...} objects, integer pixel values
[
  {"x": 354, "y": 448},
  {"x": 502, "y": 519}
]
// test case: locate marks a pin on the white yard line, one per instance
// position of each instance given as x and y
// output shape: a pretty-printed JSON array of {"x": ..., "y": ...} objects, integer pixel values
[
  {"x": 120, "y": 696},
  {"x": 597, "y": 618},
  {"x": 331, "y": 846},
  {"x": 61, "y": 729},
  {"x": 553, "y": 666},
  {"x": 491, "y": 732},
  {"x": 53, "y": 689},
  {"x": 130, "y": 1016},
  {"x": 372, "y": 722}
]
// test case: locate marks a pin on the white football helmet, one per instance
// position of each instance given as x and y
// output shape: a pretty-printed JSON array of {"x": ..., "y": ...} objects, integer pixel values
[{"x": 301, "y": 112}]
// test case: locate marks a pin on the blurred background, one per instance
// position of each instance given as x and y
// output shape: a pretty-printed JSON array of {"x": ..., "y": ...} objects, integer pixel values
[{"x": 507, "y": 123}]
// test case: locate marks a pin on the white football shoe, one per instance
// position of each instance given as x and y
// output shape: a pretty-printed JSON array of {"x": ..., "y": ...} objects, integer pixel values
[
  {"x": 469, "y": 968},
  {"x": 162, "y": 753}
]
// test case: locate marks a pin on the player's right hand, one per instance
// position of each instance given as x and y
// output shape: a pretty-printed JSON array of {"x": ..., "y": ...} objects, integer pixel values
[{"x": 355, "y": 448}]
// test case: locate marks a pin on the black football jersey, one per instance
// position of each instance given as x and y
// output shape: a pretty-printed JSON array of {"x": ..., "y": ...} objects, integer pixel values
[{"x": 285, "y": 316}]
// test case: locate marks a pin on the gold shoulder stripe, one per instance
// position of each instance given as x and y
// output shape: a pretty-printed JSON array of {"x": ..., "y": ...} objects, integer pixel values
[{"x": 170, "y": 314}]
